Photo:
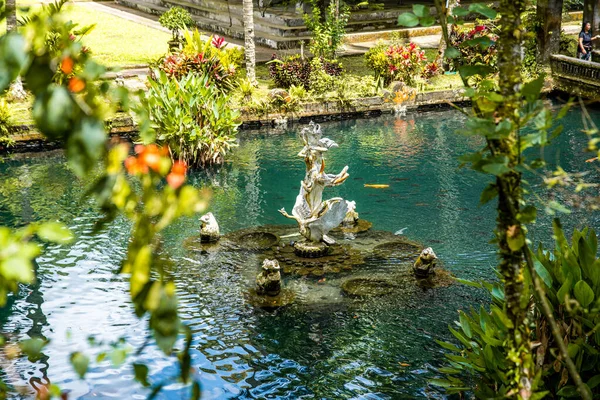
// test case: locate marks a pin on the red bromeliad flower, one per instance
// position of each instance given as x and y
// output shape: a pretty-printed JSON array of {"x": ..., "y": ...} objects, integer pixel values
[{"x": 218, "y": 41}]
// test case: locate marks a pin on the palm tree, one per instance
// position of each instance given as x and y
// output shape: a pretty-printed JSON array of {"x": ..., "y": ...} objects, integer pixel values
[
  {"x": 11, "y": 15},
  {"x": 249, "y": 47}
]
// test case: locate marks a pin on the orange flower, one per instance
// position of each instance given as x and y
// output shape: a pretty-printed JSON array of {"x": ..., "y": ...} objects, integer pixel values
[
  {"x": 150, "y": 156},
  {"x": 76, "y": 85},
  {"x": 179, "y": 168},
  {"x": 66, "y": 65},
  {"x": 175, "y": 180},
  {"x": 177, "y": 175},
  {"x": 134, "y": 166}
]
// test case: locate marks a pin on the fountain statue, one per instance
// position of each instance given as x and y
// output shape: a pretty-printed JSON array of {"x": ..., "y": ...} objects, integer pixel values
[{"x": 315, "y": 216}]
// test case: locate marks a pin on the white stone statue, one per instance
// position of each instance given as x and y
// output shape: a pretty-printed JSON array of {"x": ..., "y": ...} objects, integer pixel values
[{"x": 316, "y": 217}]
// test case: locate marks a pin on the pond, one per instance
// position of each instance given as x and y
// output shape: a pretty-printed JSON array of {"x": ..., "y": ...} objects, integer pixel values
[{"x": 319, "y": 347}]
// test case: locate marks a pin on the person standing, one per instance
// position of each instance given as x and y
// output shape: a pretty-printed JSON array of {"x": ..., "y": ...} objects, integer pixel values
[{"x": 584, "y": 48}]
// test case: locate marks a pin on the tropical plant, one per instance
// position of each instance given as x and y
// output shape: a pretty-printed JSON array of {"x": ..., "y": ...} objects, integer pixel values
[
  {"x": 214, "y": 47},
  {"x": 175, "y": 19},
  {"x": 396, "y": 62},
  {"x": 208, "y": 65},
  {"x": 327, "y": 31},
  {"x": 192, "y": 117},
  {"x": 570, "y": 275}
]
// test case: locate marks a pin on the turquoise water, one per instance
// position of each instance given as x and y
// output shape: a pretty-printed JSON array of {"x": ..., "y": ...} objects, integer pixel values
[{"x": 328, "y": 349}]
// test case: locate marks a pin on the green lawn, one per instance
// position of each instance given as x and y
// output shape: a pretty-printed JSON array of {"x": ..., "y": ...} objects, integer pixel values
[{"x": 116, "y": 42}]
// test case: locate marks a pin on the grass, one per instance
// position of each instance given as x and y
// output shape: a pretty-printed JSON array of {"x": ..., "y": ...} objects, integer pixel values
[{"x": 116, "y": 42}]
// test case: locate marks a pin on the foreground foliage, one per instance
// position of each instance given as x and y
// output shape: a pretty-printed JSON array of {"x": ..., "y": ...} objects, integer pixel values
[
  {"x": 70, "y": 106},
  {"x": 570, "y": 274}
]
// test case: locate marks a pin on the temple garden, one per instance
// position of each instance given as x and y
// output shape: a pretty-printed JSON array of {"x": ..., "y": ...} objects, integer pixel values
[{"x": 315, "y": 200}]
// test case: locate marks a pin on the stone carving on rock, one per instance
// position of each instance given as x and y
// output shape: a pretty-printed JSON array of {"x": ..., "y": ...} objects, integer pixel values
[
  {"x": 209, "y": 228},
  {"x": 425, "y": 264},
  {"x": 268, "y": 281},
  {"x": 315, "y": 216}
]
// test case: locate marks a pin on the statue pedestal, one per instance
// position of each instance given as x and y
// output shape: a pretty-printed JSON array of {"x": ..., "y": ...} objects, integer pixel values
[{"x": 310, "y": 249}]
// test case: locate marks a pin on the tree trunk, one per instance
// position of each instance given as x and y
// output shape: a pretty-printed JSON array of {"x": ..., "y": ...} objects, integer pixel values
[
  {"x": 591, "y": 14},
  {"x": 508, "y": 228},
  {"x": 11, "y": 15},
  {"x": 249, "y": 47},
  {"x": 549, "y": 15},
  {"x": 441, "y": 8}
]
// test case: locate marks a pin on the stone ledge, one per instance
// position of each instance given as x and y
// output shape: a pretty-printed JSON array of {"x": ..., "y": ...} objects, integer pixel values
[{"x": 26, "y": 138}]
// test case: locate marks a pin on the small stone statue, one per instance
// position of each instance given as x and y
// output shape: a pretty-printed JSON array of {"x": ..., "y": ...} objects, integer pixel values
[
  {"x": 268, "y": 282},
  {"x": 209, "y": 229},
  {"x": 425, "y": 263}
]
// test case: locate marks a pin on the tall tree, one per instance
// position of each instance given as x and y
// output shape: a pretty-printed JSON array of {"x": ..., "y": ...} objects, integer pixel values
[
  {"x": 591, "y": 13},
  {"x": 549, "y": 15},
  {"x": 249, "y": 46}
]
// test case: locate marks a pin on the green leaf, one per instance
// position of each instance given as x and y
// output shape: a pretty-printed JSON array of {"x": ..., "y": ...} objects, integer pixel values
[
  {"x": 445, "y": 383},
  {"x": 542, "y": 272},
  {"x": 53, "y": 110},
  {"x": 141, "y": 374},
  {"x": 448, "y": 346},
  {"x": 55, "y": 232},
  {"x": 593, "y": 382},
  {"x": 464, "y": 323},
  {"x": 483, "y": 10},
  {"x": 451, "y": 52},
  {"x": 460, "y": 12},
  {"x": 420, "y": 10},
  {"x": 532, "y": 89},
  {"x": 80, "y": 363},
  {"x": 33, "y": 348},
  {"x": 408, "y": 19},
  {"x": 17, "y": 268},
  {"x": 489, "y": 193},
  {"x": 496, "y": 168},
  {"x": 427, "y": 21},
  {"x": 14, "y": 58},
  {"x": 564, "y": 290},
  {"x": 553, "y": 206},
  {"x": 527, "y": 214},
  {"x": 517, "y": 240},
  {"x": 501, "y": 317},
  {"x": 117, "y": 357},
  {"x": 467, "y": 71},
  {"x": 583, "y": 293}
]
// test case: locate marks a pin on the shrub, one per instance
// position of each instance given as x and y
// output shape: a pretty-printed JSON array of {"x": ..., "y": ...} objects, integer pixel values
[
  {"x": 396, "y": 62},
  {"x": 568, "y": 45},
  {"x": 296, "y": 71},
  {"x": 476, "y": 46},
  {"x": 292, "y": 70},
  {"x": 327, "y": 31},
  {"x": 571, "y": 279},
  {"x": 192, "y": 116},
  {"x": 174, "y": 19}
]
